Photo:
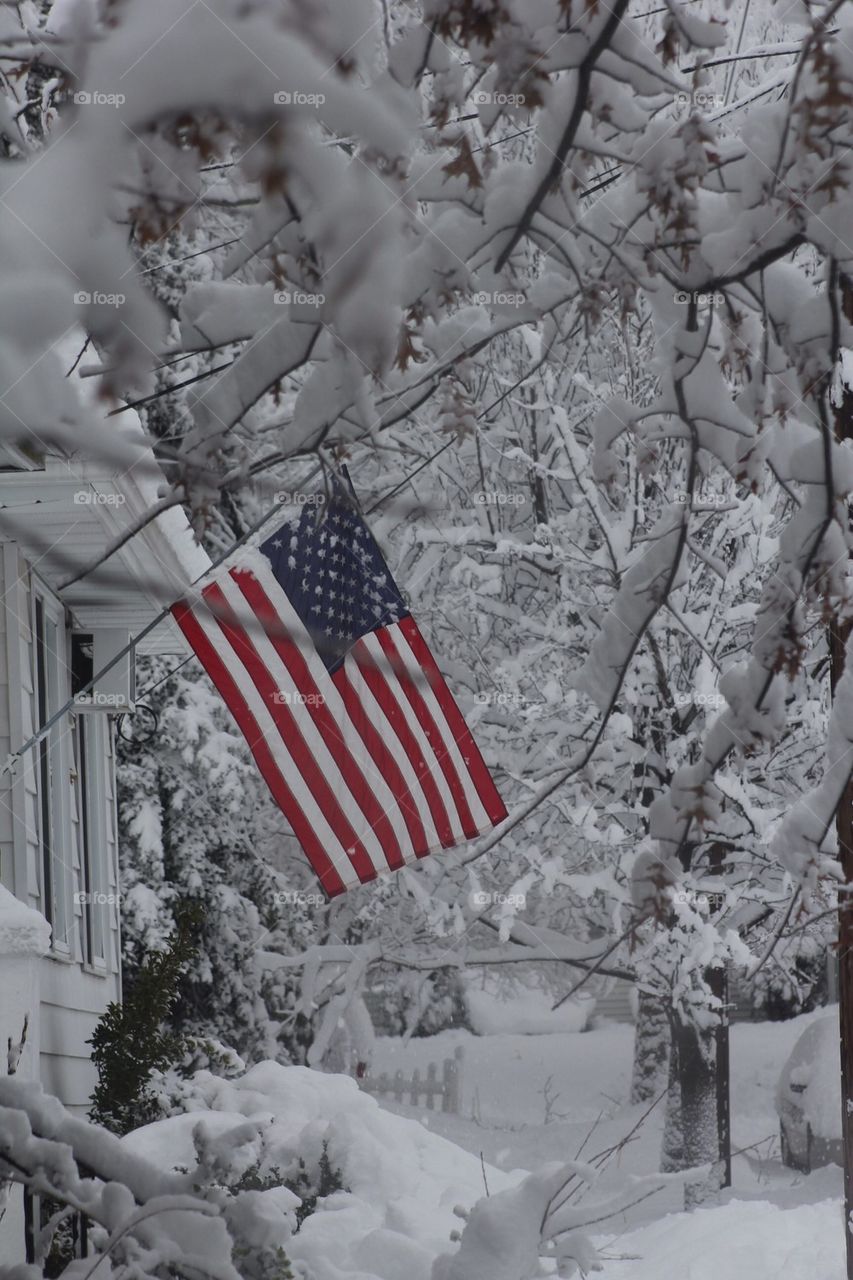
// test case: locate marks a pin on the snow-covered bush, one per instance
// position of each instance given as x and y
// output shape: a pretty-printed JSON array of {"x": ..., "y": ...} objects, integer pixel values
[
  {"x": 794, "y": 980},
  {"x": 406, "y": 1003},
  {"x": 394, "y": 1215},
  {"x": 146, "y": 1220},
  {"x": 543, "y": 1226}
]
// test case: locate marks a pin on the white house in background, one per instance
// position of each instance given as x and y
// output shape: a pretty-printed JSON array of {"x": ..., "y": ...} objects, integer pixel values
[
  {"x": 58, "y": 852},
  {"x": 59, "y": 918}
]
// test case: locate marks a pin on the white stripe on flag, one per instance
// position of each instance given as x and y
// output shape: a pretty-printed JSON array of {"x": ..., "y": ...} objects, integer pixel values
[
  {"x": 295, "y": 627},
  {"x": 284, "y": 759},
  {"x": 303, "y": 717},
  {"x": 394, "y": 746},
  {"x": 424, "y": 687},
  {"x": 392, "y": 680}
]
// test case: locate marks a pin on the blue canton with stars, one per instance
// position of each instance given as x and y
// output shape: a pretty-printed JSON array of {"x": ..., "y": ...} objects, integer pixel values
[{"x": 333, "y": 573}]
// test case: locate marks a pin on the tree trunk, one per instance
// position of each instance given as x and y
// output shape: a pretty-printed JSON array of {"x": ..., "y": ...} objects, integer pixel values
[
  {"x": 651, "y": 1048},
  {"x": 672, "y": 1153},
  {"x": 839, "y": 632},
  {"x": 691, "y": 1130},
  {"x": 698, "y": 1082}
]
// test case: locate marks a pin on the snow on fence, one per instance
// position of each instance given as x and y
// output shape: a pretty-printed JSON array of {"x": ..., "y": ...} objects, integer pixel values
[{"x": 402, "y": 1088}]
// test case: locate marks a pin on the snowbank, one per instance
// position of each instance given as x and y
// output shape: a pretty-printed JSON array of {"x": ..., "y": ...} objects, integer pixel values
[
  {"x": 23, "y": 931},
  {"x": 493, "y": 1012},
  {"x": 403, "y": 1181},
  {"x": 742, "y": 1240}
]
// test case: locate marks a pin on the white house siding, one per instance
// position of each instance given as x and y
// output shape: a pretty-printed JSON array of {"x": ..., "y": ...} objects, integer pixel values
[
  {"x": 73, "y": 995},
  {"x": 72, "y": 1000}
]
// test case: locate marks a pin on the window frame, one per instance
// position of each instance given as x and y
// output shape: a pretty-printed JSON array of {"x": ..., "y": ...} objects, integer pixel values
[{"x": 52, "y": 769}]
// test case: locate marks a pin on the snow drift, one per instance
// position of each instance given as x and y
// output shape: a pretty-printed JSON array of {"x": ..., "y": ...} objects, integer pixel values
[{"x": 402, "y": 1181}]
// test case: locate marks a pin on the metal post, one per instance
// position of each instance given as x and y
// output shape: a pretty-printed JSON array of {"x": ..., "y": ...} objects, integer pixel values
[
  {"x": 720, "y": 986},
  {"x": 718, "y": 980},
  {"x": 15, "y": 756}
]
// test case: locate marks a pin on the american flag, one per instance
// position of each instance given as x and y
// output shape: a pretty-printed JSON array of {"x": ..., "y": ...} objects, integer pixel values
[{"x": 314, "y": 650}]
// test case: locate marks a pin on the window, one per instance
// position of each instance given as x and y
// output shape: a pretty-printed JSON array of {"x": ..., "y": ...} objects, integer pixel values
[{"x": 51, "y": 776}]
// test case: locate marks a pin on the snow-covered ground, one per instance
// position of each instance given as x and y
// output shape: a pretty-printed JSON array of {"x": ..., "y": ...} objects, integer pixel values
[
  {"x": 528, "y": 1100},
  {"x": 737, "y": 1241},
  {"x": 505, "y": 1115}
]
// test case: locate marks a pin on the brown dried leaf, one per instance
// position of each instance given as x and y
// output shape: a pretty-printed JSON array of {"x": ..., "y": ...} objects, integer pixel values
[
  {"x": 463, "y": 164},
  {"x": 407, "y": 352}
]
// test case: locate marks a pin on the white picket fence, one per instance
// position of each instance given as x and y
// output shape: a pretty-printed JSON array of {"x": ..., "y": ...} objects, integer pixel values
[{"x": 446, "y": 1086}]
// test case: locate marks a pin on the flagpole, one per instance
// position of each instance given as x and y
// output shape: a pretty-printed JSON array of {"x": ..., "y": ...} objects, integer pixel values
[{"x": 13, "y": 758}]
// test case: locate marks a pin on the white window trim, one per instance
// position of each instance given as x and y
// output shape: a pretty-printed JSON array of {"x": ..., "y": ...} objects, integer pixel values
[{"x": 59, "y": 746}]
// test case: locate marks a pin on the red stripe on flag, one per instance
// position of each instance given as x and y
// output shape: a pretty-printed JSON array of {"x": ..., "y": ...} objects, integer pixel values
[
  {"x": 432, "y": 731},
  {"x": 482, "y": 779},
  {"x": 237, "y": 705},
  {"x": 384, "y": 761},
  {"x": 381, "y": 691},
  {"x": 291, "y": 734},
  {"x": 317, "y": 708}
]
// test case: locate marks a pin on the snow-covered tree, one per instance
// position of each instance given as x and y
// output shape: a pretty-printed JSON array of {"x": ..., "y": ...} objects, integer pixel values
[
  {"x": 188, "y": 807},
  {"x": 416, "y": 205}
]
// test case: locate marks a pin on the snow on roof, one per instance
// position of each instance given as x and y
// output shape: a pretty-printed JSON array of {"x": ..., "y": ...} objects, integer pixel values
[
  {"x": 69, "y": 510},
  {"x": 192, "y": 557},
  {"x": 23, "y": 931}
]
